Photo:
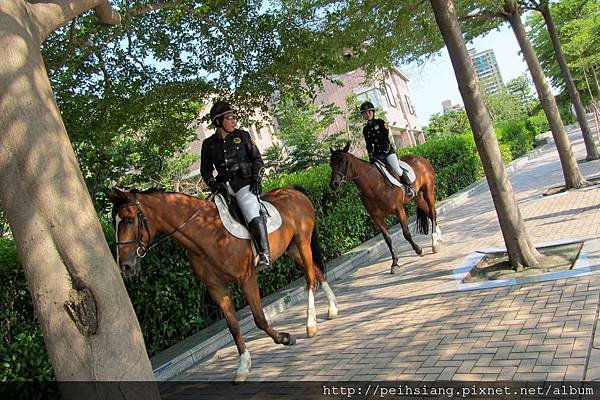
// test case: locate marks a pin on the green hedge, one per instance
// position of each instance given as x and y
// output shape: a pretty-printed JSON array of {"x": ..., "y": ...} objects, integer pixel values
[
  {"x": 516, "y": 136},
  {"x": 23, "y": 355},
  {"x": 172, "y": 304}
]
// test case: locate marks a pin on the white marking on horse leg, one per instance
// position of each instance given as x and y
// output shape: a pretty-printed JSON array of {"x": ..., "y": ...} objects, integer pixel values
[
  {"x": 439, "y": 232},
  {"x": 244, "y": 368},
  {"x": 434, "y": 239},
  {"x": 333, "y": 311},
  {"x": 117, "y": 222},
  {"x": 311, "y": 313}
]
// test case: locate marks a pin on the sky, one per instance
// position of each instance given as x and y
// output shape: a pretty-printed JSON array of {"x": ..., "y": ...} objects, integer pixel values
[{"x": 435, "y": 81}]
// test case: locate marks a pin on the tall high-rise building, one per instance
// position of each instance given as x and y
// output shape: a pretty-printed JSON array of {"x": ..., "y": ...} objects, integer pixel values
[{"x": 487, "y": 70}]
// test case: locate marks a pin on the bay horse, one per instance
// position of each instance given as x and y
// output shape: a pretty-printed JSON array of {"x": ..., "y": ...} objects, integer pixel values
[
  {"x": 380, "y": 198},
  {"x": 219, "y": 258}
]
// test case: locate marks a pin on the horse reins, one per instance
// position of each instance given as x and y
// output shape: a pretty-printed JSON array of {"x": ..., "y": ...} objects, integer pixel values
[
  {"x": 143, "y": 249},
  {"x": 344, "y": 175}
]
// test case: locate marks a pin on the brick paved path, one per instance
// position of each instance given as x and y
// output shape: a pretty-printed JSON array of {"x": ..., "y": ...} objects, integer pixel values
[{"x": 399, "y": 327}]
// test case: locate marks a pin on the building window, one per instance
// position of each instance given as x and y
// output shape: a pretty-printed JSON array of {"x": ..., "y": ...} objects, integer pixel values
[
  {"x": 411, "y": 109},
  {"x": 390, "y": 95},
  {"x": 372, "y": 95}
]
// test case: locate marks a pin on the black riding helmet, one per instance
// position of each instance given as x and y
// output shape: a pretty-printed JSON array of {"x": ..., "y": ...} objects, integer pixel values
[
  {"x": 218, "y": 110},
  {"x": 367, "y": 106}
]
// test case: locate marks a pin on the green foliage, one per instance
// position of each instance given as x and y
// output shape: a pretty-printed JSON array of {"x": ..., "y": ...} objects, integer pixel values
[
  {"x": 520, "y": 87},
  {"x": 451, "y": 123},
  {"x": 516, "y": 136},
  {"x": 23, "y": 356},
  {"x": 454, "y": 159},
  {"x": 302, "y": 131},
  {"x": 578, "y": 26},
  {"x": 504, "y": 106},
  {"x": 538, "y": 123}
]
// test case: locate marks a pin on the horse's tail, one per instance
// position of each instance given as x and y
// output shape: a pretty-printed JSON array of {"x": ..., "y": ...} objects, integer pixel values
[
  {"x": 422, "y": 224},
  {"x": 315, "y": 244}
]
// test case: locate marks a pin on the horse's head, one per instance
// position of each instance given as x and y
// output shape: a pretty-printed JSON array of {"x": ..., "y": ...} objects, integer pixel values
[
  {"x": 133, "y": 233},
  {"x": 339, "y": 162}
]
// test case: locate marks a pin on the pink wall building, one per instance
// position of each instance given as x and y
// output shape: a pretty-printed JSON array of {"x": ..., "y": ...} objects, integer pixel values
[{"x": 390, "y": 93}]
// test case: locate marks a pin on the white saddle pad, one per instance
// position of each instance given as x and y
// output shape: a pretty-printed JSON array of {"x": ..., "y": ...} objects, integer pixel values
[
  {"x": 238, "y": 230},
  {"x": 383, "y": 168}
]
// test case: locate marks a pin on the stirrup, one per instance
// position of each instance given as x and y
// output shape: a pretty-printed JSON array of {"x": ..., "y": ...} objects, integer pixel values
[{"x": 263, "y": 260}]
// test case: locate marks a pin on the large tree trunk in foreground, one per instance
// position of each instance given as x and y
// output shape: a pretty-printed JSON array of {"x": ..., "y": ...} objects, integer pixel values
[
  {"x": 89, "y": 325},
  {"x": 521, "y": 251},
  {"x": 571, "y": 172},
  {"x": 590, "y": 145}
]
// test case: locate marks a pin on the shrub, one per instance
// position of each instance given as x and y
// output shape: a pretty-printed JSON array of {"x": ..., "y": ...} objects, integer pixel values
[
  {"x": 537, "y": 123},
  {"x": 23, "y": 356},
  {"x": 516, "y": 136}
]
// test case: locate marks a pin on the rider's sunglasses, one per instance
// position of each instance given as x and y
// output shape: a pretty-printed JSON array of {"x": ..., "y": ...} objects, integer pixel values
[{"x": 230, "y": 118}]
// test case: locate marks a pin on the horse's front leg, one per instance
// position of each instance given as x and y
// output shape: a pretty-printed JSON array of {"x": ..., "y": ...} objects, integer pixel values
[
  {"x": 379, "y": 220},
  {"x": 250, "y": 287},
  {"x": 221, "y": 296},
  {"x": 401, "y": 213}
]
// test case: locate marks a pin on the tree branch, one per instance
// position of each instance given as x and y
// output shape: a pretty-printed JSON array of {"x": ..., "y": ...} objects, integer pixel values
[
  {"x": 52, "y": 14},
  {"x": 135, "y": 59},
  {"x": 68, "y": 46},
  {"x": 484, "y": 16}
]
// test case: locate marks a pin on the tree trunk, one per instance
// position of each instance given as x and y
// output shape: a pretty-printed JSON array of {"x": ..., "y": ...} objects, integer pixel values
[
  {"x": 596, "y": 80},
  {"x": 590, "y": 145},
  {"x": 571, "y": 172},
  {"x": 89, "y": 325},
  {"x": 521, "y": 252}
]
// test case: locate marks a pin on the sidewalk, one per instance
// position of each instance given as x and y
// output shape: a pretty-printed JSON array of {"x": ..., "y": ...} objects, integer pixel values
[{"x": 423, "y": 324}]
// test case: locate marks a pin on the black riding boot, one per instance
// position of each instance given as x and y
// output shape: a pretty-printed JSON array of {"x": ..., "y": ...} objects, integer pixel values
[
  {"x": 258, "y": 230},
  {"x": 410, "y": 188}
]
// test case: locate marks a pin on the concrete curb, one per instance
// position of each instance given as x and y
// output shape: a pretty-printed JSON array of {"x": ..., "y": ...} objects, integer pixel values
[{"x": 206, "y": 342}]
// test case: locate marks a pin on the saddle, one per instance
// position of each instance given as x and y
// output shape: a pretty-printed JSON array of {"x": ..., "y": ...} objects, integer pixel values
[
  {"x": 233, "y": 221},
  {"x": 390, "y": 175}
]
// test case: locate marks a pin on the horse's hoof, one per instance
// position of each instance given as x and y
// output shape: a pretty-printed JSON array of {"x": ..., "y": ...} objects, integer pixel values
[
  {"x": 287, "y": 339},
  {"x": 241, "y": 377},
  {"x": 311, "y": 331},
  {"x": 332, "y": 314},
  {"x": 435, "y": 249},
  {"x": 420, "y": 252},
  {"x": 395, "y": 269}
]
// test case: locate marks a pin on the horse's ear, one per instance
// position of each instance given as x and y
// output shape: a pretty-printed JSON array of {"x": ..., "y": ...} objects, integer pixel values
[
  {"x": 331, "y": 150},
  {"x": 117, "y": 195},
  {"x": 347, "y": 147}
]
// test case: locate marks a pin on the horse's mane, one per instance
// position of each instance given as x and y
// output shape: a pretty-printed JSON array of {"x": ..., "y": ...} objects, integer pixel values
[{"x": 150, "y": 190}]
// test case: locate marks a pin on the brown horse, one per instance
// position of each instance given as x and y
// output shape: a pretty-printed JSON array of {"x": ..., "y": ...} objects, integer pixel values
[
  {"x": 217, "y": 257},
  {"x": 380, "y": 198}
]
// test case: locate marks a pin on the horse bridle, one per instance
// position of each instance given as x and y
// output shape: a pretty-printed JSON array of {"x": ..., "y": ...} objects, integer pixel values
[
  {"x": 143, "y": 249},
  {"x": 142, "y": 225},
  {"x": 344, "y": 176}
]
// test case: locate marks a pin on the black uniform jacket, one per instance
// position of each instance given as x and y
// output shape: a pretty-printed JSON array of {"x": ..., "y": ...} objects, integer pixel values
[
  {"x": 236, "y": 159},
  {"x": 377, "y": 139}
]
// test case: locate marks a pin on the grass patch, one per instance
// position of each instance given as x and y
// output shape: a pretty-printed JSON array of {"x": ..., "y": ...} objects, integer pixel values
[{"x": 496, "y": 266}]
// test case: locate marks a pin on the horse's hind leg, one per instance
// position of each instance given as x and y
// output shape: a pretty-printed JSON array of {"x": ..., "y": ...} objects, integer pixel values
[
  {"x": 303, "y": 245},
  {"x": 221, "y": 296},
  {"x": 425, "y": 211},
  {"x": 436, "y": 232},
  {"x": 250, "y": 287},
  {"x": 332, "y": 311}
]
